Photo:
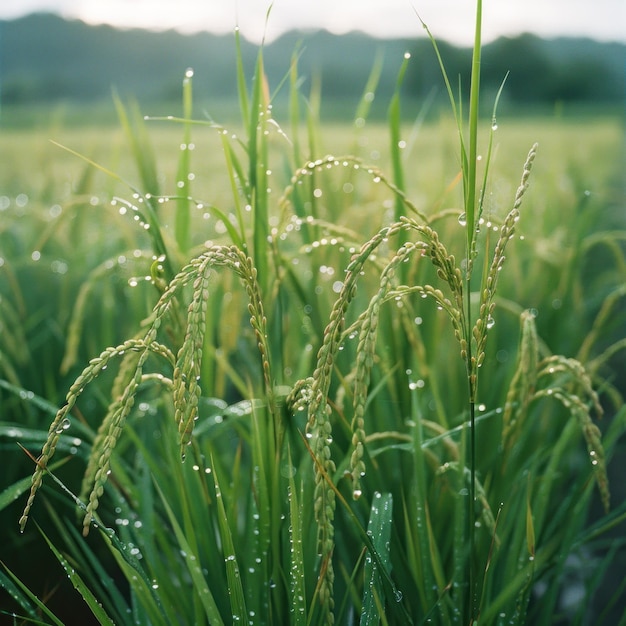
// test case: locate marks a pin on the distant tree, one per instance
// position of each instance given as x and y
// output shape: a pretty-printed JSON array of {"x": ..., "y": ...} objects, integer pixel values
[
  {"x": 530, "y": 72},
  {"x": 549, "y": 71},
  {"x": 586, "y": 80},
  {"x": 425, "y": 72},
  {"x": 46, "y": 58}
]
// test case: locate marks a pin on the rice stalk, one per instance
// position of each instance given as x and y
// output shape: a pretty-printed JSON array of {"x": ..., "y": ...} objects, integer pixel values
[
  {"x": 602, "y": 318},
  {"x": 79, "y": 310},
  {"x": 319, "y": 428},
  {"x": 330, "y": 161},
  {"x": 62, "y": 422},
  {"x": 368, "y": 325},
  {"x": 488, "y": 290},
  {"x": 591, "y": 434},
  {"x": 186, "y": 377},
  {"x": 524, "y": 382},
  {"x": 127, "y": 369},
  {"x": 185, "y": 383}
]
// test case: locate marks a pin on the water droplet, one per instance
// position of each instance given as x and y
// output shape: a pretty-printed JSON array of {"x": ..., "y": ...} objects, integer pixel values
[
  {"x": 490, "y": 322},
  {"x": 63, "y": 426},
  {"x": 418, "y": 384},
  {"x": 288, "y": 471},
  {"x": 463, "y": 219}
]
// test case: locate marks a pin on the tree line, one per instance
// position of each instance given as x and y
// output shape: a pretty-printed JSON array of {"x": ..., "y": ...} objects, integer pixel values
[{"x": 45, "y": 59}]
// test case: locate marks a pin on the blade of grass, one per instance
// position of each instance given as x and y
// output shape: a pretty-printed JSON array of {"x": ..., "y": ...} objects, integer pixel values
[
  {"x": 258, "y": 156},
  {"x": 367, "y": 97},
  {"x": 193, "y": 565},
  {"x": 25, "y": 597},
  {"x": 140, "y": 585},
  {"x": 470, "y": 197},
  {"x": 141, "y": 148},
  {"x": 294, "y": 104},
  {"x": 395, "y": 124},
  {"x": 92, "y": 602},
  {"x": 98, "y": 580},
  {"x": 36, "y": 400},
  {"x": 379, "y": 528},
  {"x": 297, "y": 571},
  {"x": 470, "y": 204},
  {"x": 145, "y": 604},
  {"x": 235, "y": 589},
  {"x": 150, "y": 217},
  {"x": 242, "y": 88},
  {"x": 418, "y": 513},
  {"x": 238, "y": 185},
  {"x": 397, "y": 607},
  {"x": 14, "y": 491},
  {"x": 183, "y": 180}
]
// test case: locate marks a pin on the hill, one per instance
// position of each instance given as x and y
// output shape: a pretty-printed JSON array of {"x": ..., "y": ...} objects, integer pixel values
[{"x": 44, "y": 59}]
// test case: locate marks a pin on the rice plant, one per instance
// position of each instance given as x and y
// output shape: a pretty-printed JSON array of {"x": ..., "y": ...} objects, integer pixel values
[{"x": 286, "y": 444}]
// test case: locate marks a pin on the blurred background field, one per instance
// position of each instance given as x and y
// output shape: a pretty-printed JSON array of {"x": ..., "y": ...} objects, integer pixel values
[{"x": 62, "y": 227}]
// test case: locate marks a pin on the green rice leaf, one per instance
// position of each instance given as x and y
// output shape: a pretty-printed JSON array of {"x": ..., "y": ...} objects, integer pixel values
[
  {"x": 193, "y": 565},
  {"x": 297, "y": 571},
  {"x": 26, "y": 598},
  {"x": 183, "y": 180},
  {"x": 379, "y": 529},
  {"x": 96, "y": 608},
  {"x": 146, "y": 608},
  {"x": 235, "y": 589}
]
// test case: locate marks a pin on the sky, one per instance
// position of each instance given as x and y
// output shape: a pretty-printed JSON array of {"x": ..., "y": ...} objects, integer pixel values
[{"x": 450, "y": 20}]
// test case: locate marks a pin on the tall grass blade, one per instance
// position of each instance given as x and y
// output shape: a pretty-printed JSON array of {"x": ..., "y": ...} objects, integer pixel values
[
  {"x": 470, "y": 193},
  {"x": 183, "y": 179},
  {"x": 395, "y": 127},
  {"x": 242, "y": 88},
  {"x": 259, "y": 159},
  {"x": 233, "y": 575},
  {"x": 20, "y": 598},
  {"x": 193, "y": 565},
  {"x": 97, "y": 578},
  {"x": 25, "y": 597},
  {"x": 237, "y": 178},
  {"x": 140, "y": 145},
  {"x": 144, "y": 605},
  {"x": 297, "y": 570},
  {"x": 147, "y": 214},
  {"x": 92, "y": 602},
  {"x": 379, "y": 528},
  {"x": 367, "y": 97}
]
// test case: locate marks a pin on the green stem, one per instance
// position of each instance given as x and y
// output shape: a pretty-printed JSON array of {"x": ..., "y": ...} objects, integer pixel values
[
  {"x": 470, "y": 211},
  {"x": 470, "y": 199}
]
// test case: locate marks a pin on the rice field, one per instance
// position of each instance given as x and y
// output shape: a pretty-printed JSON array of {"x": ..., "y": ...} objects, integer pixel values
[{"x": 385, "y": 414}]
